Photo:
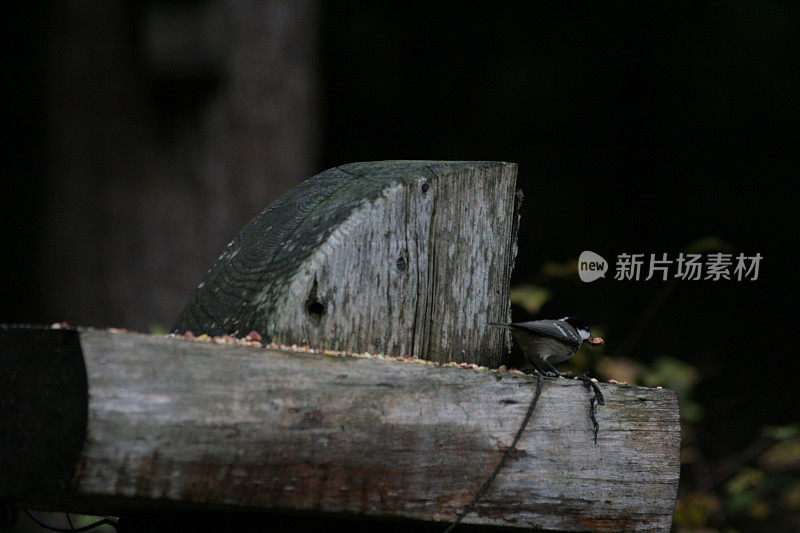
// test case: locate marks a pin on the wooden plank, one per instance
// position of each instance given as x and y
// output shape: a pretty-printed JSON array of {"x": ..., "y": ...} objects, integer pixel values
[
  {"x": 402, "y": 257},
  {"x": 176, "y": 422}
]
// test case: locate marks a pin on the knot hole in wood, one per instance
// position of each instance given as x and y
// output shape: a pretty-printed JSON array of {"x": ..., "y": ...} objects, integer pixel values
[{"x": 314, "y": 306}]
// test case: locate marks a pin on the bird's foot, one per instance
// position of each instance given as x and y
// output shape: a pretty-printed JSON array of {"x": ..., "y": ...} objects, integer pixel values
[
  {"x": 554, "y": 372},
  {"x": 549, "y": 373}
]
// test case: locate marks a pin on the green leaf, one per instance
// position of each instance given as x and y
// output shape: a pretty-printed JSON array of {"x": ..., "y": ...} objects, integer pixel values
[
  {"x": 695, "y": 509},
  {"x": 674, "y": 374},
  {"x": 782, "y": 432},
  {"x": 708, "y": 244},
  {"x": 158, "y": 329},
  {"x": 530, "y": 297},
  {"x": 566, "y": 270},
  {"x": 745, "y": 479}
]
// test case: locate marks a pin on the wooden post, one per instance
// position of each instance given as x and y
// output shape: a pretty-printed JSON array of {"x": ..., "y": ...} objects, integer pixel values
[
  {"x": 400, "y": 257},
  {"x": 161, "y": 422}
]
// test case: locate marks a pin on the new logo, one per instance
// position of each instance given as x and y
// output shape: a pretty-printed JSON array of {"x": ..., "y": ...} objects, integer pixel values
[{"x": 591, "y": 266}]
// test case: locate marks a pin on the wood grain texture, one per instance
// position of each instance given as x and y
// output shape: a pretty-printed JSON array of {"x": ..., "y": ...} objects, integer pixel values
[
  {"x": 175, "y": 422},
  {"x": 397, "y": 257}
]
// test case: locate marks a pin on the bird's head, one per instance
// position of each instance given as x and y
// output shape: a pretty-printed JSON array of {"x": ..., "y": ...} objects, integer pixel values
[{"x": 584, "y": 330}]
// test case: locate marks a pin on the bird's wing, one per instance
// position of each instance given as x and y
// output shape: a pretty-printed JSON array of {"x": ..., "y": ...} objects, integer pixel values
[{"x": 555, "y": 329}]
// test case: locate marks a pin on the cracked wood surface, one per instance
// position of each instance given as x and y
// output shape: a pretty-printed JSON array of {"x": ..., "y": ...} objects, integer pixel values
[
  {"x": 398, "y": 257},
  {"x": 170, "y": 421}
]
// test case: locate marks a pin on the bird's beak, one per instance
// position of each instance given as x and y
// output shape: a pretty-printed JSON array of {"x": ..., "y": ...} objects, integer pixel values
[{"x": 595, "y": 341}]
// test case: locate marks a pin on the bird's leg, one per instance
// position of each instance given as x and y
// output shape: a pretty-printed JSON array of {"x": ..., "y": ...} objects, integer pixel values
[
  {"x": 532, "y": 368},
  {"x": 555, "y": 372},
  {"x": 537, "y": 370}
]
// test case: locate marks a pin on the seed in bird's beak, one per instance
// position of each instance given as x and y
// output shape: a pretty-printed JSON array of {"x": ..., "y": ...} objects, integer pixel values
[{"x": 595, "y": 341}]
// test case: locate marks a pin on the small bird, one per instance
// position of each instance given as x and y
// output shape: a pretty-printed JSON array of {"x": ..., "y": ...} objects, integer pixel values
[{"x": 549, "y": 342}]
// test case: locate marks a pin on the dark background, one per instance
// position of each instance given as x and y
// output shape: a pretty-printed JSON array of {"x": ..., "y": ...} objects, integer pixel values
[{"x": 637, "y": 127}]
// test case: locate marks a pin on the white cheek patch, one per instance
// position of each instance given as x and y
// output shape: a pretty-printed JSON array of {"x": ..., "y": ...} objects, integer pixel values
[{"x": 584, "y": 334}]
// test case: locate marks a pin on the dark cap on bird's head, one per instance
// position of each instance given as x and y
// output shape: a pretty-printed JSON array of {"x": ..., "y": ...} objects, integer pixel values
[
  {"x": 577, "y": 323},
  {"x": 584, "y": 329}
]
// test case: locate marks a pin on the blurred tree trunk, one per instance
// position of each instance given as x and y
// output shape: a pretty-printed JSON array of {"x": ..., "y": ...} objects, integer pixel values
[{"x": 169, "y": 126}]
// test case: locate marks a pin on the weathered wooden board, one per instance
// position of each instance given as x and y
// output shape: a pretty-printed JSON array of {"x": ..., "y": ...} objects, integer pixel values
[
  {"x": 174, "y": 421},
  {"x": 399, "y": 257}
]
